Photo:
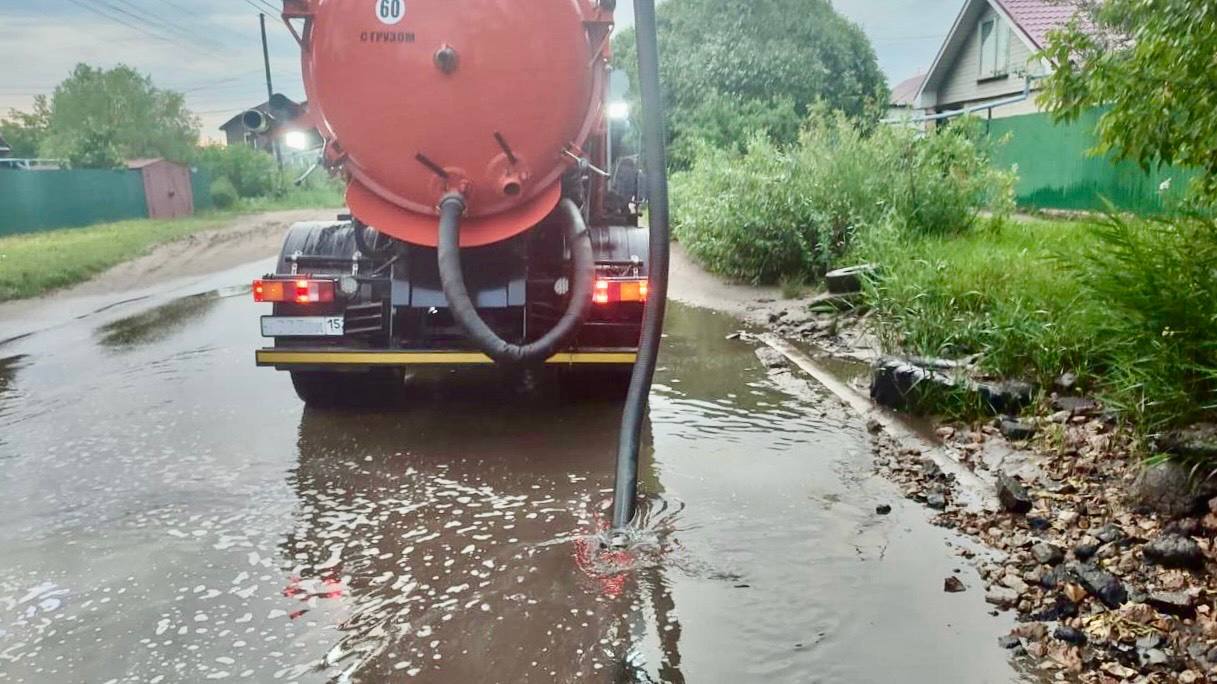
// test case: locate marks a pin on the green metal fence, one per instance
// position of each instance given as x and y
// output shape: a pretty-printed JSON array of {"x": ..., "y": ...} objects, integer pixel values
[
  {"x": 40, "y": 200},
  {"x": 200, "y": 184},
  {"x": 33, "y": 201},
  {"x": 1057, "y": 171}
]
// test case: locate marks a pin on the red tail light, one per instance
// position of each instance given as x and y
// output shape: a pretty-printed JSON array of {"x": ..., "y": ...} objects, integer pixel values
[
  {"x": 620, "y": 290},
  {"x": 299, "y": 291}
]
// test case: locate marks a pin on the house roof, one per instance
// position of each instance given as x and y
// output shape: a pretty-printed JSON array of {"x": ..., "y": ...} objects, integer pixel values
[
  {"x": 1036, "y": 18},
  {"x": 905, "y": 92},
  {"x": 141, "y": 163},
  {"x": 285, "y": 104},
  {"x": 236, "y": 119}
]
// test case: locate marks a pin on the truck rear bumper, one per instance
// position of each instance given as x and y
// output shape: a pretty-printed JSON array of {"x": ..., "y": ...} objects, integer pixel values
[{"x": 337, "y": 359}]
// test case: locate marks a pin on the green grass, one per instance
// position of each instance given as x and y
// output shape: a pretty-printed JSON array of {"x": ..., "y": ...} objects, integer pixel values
[{"x": 36, "y": 263}]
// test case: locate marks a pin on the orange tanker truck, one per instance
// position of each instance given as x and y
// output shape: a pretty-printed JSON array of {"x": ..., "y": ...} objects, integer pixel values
[{"x": 485, "y": 226}]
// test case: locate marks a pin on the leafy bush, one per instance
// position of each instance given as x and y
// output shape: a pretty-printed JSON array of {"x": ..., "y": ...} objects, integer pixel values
[
  {"x": 945, "y": 180},
  {"x": 251, "y": 172},
  {"x": 1150, "y": 66},
  {"x": 1157, "y": 280},
  {"x": 773, "y": 212},
  {"x": 223, "y": 194}
]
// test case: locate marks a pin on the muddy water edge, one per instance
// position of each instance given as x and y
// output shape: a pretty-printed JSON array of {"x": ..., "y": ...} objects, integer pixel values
[{"x": 174, "y": 514}]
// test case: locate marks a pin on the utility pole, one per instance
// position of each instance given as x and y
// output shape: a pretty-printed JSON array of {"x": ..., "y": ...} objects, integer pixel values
[{"x": 270, "y": 88}]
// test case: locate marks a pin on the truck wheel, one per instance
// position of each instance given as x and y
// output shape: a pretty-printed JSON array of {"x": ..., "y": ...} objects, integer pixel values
[{"x": 340, "y": 390}]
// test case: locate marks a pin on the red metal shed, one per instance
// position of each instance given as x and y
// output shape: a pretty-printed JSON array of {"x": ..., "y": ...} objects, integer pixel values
[{"x": 166, "y": 187}]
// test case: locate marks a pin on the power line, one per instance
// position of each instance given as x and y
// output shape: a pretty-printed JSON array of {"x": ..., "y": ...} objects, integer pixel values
[
  {"x": 118, "y": 20},
  {"x": 138, "y": 24},
  {"x": 263, "y": 7},
  {"x": 272, "y": 10},
  {"x": 147, "y": 18}
]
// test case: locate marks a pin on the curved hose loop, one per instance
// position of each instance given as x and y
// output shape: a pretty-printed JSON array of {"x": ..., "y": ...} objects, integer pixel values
[{"x": 464, "y": 311}]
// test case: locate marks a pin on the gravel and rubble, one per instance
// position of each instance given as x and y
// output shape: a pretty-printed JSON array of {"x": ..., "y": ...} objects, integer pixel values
[
  {"x": 1110, "y": 564},
  {"x": 1107, "y": 589}
]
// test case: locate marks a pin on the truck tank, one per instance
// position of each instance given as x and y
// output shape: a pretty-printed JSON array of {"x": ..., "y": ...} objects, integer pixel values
[{"x": 495, "y": 99}]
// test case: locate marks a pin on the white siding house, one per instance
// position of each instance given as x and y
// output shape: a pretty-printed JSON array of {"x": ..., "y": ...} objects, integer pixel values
[{"x": 989, "y": 57}]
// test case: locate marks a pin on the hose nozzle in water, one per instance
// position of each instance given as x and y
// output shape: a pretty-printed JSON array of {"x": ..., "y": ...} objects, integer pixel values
[
  {"x": 655, "y": 155},
  {"x": 617, "y": 539}
]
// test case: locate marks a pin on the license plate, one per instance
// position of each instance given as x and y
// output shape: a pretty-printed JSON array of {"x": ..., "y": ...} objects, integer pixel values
[{"x": 302, "y": 326}]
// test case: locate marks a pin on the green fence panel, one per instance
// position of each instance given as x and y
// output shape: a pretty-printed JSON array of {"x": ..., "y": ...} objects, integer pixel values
[
  {"x": 200, "y": 185},
  {"x": 1057, "y": 171},
  {"x": 32, "y": 201}
]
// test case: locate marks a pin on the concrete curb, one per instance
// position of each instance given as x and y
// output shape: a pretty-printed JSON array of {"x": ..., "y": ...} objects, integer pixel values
[{"x": 971, "y": 491}]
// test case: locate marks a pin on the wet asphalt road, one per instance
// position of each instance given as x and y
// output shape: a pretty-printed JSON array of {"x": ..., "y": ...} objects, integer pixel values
[{"x": 173, "y": 514}]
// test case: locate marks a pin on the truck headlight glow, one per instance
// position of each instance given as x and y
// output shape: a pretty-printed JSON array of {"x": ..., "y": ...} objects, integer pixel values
[{"x": 297, "y": 140}]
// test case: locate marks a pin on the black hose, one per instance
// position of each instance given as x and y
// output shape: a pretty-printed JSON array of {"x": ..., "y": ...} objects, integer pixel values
[
  {"x": 465, "y": 313},
  {"x": 655, "y": 155}
]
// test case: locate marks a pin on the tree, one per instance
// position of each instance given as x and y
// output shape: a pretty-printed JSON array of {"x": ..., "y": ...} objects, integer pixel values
[
  {"x": 1150, "y": 63},
  {"x": 98, "y": 118},
  {"x": 24, "y": 131},
  {"x": 768, "y": 51}
]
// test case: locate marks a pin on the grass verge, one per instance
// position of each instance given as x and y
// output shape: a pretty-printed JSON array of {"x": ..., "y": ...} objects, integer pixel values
[
  {"x": 36, "y": 263},
  {"x": 1004, "y": 291},
  {"x": 1127, "y": 305},
  {"x": 33, "y": 264}
]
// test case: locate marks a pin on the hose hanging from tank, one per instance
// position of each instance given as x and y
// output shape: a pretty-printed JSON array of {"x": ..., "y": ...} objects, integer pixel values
[
  {"x": 451, "y": 208},
  {"x": 630, "y": 440}
]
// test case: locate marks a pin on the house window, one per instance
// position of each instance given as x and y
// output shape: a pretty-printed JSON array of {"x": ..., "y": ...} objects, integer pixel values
[{"x": 994, "y": 49}]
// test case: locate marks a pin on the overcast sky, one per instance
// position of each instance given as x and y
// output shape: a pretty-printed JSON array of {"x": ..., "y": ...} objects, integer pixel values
[{"x": 212, "y": 50}]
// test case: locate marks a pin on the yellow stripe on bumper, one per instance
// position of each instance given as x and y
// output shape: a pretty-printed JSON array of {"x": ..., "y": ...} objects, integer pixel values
[{"x": 282, "y": 357}]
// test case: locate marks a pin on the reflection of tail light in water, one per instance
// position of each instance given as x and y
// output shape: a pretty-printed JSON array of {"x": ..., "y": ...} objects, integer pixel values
[
  {"x": 650, "y": 544},
  {"x": 308, "y": 591}
]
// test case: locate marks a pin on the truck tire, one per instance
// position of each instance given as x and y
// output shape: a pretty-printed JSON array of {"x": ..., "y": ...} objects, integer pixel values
[{"x": 347, "y": 390}]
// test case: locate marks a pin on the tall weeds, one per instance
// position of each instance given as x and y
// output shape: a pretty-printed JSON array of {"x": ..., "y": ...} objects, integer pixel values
[{"x": 1157, "y": 280}]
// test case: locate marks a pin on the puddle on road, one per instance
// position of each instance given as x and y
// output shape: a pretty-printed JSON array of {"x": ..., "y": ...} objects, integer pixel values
[
  {"x": 157, "y": 323},
  {"x": 8, "y": 371},
  {"x": 8, "y": 379},
  {"x": 165, "y": 530}
]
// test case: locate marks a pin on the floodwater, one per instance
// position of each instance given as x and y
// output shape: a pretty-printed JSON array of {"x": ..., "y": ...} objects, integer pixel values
[{"x": 172, "y": 513}]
